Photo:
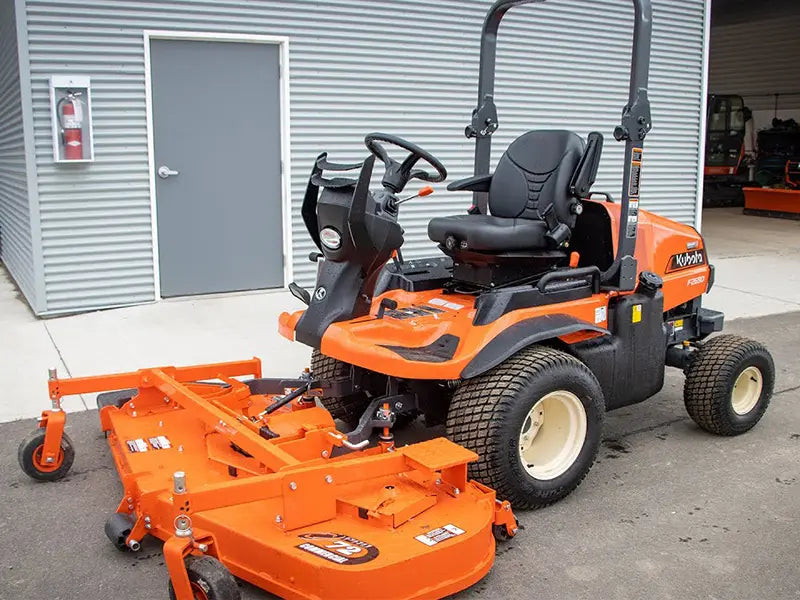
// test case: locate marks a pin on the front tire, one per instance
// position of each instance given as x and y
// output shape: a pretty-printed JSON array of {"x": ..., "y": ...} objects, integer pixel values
[
  {"x": 729, "y": 384},
  {"x": 536, "y": 422}
]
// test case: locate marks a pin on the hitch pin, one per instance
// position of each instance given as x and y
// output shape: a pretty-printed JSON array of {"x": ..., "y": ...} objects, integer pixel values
[
  {"x": 426, "y": 191},
  {"x": 343, "y": 441}
]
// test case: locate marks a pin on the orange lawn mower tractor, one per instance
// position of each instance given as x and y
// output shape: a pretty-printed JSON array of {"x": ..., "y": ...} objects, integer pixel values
[{"x": 545, "y": 309}]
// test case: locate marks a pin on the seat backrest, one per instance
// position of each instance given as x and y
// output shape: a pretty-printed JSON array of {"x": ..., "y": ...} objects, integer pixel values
[{"x": 534, "y": 173}]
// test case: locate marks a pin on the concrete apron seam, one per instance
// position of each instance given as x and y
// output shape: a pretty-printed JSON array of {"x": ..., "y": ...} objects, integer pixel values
[
  {"x": 63, "y": 362},
  {"x": 731, "y": 289}
]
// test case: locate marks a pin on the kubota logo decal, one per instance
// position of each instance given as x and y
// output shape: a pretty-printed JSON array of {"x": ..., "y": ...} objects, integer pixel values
[
  {"x": 684, "y": 260},
  {"x": 338, "y": 548}
]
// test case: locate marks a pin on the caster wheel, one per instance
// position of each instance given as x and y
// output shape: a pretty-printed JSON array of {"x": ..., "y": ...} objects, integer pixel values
[
  {"x": 210, "y": 580},
  {"x": 118, "y": 528},
  {"x": 29, "y": 455},
  {"x": 500, "y": 533}
]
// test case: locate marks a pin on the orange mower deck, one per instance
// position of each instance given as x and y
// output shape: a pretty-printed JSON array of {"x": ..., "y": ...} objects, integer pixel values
[{"x": 277, "y": 497}]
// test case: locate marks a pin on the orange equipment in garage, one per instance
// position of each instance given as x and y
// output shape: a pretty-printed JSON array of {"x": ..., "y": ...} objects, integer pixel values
[{"x": 781, "y": 201}]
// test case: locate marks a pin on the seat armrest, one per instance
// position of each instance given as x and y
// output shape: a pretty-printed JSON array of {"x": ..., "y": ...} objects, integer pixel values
[{"x": 477, "y": 183}]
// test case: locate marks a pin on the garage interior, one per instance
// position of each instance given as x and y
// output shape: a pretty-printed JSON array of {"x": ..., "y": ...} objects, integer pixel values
[{"x": 752, "y": 131}]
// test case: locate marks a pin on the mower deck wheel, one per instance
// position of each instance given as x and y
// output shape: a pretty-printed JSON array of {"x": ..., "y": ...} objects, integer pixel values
[
  {"x": 535, "y": 420},
  {"x": 210, "y": 580},
  {"x": 29, "y": 455},
  {"x": 118, "y": 527},
  {"x": 729, "y": 384},
  {"x": 116, "y": 398}
]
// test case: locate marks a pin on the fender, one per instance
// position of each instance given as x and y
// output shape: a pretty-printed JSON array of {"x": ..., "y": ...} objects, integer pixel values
[{"x": 521, "y": 335}]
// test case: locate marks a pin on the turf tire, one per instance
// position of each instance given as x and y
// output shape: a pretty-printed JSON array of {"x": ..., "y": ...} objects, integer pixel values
[
  {"x": 487, "y": 413},
  {"x": 711, "y": 375}
]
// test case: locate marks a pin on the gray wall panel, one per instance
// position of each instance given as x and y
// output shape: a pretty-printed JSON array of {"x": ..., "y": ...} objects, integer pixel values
[
  {"x": 407, "y": 67},
  {"x": 16, "y": 248}
]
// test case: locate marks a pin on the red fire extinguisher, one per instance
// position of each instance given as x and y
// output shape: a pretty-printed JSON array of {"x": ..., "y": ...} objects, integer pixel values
[{"x": 70, "y": 118}]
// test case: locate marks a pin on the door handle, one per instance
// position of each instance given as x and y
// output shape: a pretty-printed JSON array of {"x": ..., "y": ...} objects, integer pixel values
[{"x": 164, "y": 171}]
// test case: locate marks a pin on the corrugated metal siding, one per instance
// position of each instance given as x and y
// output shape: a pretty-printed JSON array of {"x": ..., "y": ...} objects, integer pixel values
[
  {"x": 407, "y": 67},
  {"x": 16, "y": 247},
  {"x": 756, "y": 60}
]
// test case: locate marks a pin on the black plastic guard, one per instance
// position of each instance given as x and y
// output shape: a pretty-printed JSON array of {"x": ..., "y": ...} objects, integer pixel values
[{"x": 523, "y": 334}]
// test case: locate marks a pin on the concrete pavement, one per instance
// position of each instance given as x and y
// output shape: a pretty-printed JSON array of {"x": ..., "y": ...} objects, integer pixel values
[
  {"x": 668, "y": 512},
  {"x": 755, "y": 257}
]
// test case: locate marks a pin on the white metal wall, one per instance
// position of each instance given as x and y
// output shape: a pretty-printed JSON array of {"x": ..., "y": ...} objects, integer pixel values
[
  {"x": 16, "y": 248},
  {"x": 757, "y": 59},
  {"x": 407, "y": 67}
]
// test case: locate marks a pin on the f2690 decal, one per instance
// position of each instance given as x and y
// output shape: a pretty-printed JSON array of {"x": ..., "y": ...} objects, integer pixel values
[
  {"x": 684, "y": 260},
  {"x": 337, "y": 548}
]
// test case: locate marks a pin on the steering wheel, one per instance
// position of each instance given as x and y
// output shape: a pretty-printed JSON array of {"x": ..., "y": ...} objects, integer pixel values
[{"x": 398, "y": 174}]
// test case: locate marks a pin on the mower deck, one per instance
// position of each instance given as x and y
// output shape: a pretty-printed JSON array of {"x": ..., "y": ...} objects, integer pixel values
[{"x": 277, "y": 497}]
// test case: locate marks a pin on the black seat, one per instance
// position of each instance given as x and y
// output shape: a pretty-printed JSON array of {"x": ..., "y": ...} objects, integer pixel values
[
  {"x": 489, "y": 233},
  {"x": 534, "y": 196}
]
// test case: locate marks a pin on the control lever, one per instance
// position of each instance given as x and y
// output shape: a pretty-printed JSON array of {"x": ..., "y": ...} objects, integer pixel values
[
  {"x": 385, "y": 303},
  {"x": 426, "y": 191},
  {"x": 301, "y": 294}
]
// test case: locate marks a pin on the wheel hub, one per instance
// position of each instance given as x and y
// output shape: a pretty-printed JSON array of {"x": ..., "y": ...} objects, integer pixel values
[
  {"x": 43, "y": 466},
  {"x": 747, "y": 390},
  {"x": 552, "y": 435}
]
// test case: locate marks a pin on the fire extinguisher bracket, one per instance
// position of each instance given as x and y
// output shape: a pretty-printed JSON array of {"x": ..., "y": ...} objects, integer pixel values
[{"x": 70, "y": 101}]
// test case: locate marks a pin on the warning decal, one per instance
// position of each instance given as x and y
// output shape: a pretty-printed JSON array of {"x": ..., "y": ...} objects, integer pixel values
[
  {"x": 338, "y": 548},
  {"x": 441, "y": 534},
  {"x": 633, "y": 192}
]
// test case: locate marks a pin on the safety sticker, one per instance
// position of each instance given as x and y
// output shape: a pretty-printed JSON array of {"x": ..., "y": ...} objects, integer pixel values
[
  {"x": 600, "y": 314},
  {"x": 338, "y": 548},
  {"x": 441, "y": 534},
  {"x": 677, "y": 325},
  {"x": 159, "y": 443},
  {"x": 633, "y": 192},
  {"x": 137, "y": 445},
  {"x": 636, "y": 314},
  {"x": 445, "y": 303}
]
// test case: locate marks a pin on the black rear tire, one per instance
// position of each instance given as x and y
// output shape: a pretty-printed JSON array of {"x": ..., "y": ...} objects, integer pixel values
[
  {"x": 210, "y": 580},
  {"x": 488, "y": 413},
  {"x": 711, "y": 377},
  {"x": 29, "y": 457}
]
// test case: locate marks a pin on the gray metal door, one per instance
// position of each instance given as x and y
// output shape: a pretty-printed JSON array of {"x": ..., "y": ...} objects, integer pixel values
[{"x": 217, "y": 142}]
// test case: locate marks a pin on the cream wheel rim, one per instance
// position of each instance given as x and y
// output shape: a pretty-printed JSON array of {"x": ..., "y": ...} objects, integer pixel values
[
  {"x": 747, "y": 390},
  {"x": 552, "y": 435}
]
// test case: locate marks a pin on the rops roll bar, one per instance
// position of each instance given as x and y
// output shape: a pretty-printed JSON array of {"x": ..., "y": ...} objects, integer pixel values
[{"x": 633, "y": 127}]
